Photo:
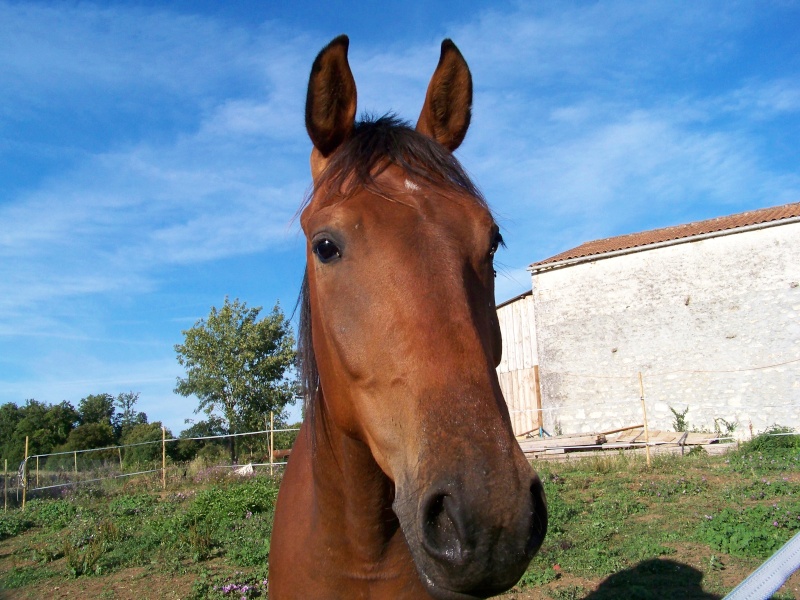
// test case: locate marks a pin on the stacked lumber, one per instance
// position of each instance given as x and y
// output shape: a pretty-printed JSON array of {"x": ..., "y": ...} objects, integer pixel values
[
  {"x": 560, "y": 444},
  {"x": 636, "y": 438},
  {"x": 630, "y": 438}
]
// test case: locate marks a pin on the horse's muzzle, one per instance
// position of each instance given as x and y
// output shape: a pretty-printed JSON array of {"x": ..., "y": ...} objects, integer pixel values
[{"x": 476, "y": 549}]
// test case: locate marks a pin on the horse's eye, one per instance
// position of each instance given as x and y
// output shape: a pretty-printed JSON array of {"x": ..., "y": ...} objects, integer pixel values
[
  {"x": 326, "y": 250},
  {"x": 496, "y": 243}
]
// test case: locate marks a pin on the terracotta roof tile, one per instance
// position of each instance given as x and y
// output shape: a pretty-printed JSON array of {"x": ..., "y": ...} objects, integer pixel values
[{"x": 678, "y": 232}]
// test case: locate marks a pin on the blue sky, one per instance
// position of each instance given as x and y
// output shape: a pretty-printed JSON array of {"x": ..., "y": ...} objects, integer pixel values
[{"x": 153, "y": 154}]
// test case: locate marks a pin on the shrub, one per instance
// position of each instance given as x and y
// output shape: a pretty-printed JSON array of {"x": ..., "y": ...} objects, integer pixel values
[
  {"x": 772, "y": 439},
  {"x": 679, "y": 423},
  {"x": 757, "y": 531},
  {"x": 767, "y": 453},
  {"x": 52, "y": 514},
  {"x": 132, "y": 505},
  {"x": 14, "y": 523},
  {"x": 234, "y": 501}
]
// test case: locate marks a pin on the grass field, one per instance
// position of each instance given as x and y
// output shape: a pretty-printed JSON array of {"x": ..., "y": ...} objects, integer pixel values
[{"x": 689, "y": 527}]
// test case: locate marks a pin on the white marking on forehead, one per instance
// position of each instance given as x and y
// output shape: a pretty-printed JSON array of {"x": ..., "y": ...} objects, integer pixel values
[{"x": 411, "y": 186}]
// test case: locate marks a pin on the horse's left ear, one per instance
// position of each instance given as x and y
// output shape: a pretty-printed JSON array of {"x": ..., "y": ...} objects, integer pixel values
[
  {"x": 330, "y": 102},
  {"x": 447, "y": 110}
]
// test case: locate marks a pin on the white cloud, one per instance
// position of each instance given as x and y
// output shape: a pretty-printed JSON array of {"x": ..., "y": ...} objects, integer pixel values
[
  {"x": 179, "y": 140},
  {"x": 228, "y": 182},
  {"x": 766, "y": 100}
]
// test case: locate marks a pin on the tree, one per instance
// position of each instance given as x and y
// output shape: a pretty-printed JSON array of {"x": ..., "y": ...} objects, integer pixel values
[
  {"x": 46, "y": 426},
  {"x": 60, "y": 420},
  {"x": 147, "y": 453},
  {"x": 10, "y": 416},
  {"x": 96, "y": 408},
  {"x": 90, "y": 435},
  {"x": 189, "y": 448},
  {"x": 127, "y": 416},
  {"x": 238, "y": 366}
]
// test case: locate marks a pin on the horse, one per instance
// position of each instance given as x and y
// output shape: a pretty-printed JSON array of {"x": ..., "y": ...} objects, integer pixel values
[{"x": 405, "y": 480}]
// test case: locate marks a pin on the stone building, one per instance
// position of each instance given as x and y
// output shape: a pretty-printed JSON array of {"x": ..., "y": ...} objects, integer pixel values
[{"x": 707, "y": 312}]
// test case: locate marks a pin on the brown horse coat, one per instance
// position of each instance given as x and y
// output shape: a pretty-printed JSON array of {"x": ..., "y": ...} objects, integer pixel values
[{"x": 405, "y": 480}]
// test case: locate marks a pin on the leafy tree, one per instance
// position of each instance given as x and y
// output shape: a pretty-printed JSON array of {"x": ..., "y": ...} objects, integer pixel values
[
  {"x": 188, "y": 448},
  {"x": 90, "y": 435},
  {"x": 10, "y": 416},
  {"x": 46, "y": 427},
  {"x": 127, "y": 416},
  {"x": 238, "y": 366},
  {"x": 96, "y": 408},
  {"x": 145, "y": 432},
  {"x": 60, "y": 420}
]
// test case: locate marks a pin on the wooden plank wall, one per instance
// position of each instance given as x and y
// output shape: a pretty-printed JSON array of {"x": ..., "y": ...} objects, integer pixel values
[
  {"x": 519, "y": 392},
  {"x": 516, "y": 369}
]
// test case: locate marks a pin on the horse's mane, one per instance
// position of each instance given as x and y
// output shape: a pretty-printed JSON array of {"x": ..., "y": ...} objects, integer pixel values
[{"x": 374, "y": 145}]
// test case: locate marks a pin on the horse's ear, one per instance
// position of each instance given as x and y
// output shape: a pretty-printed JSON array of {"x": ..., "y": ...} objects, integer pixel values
[
  {"x": 447, "y": 110},
  {"x": 330, "y": 101}
]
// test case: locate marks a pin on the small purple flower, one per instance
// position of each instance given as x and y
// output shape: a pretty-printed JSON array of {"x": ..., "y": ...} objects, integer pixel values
[{"x": 775, "y": 523}]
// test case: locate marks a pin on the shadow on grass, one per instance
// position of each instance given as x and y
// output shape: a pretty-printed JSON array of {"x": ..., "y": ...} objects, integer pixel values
[{"x": 656, "y": 579}]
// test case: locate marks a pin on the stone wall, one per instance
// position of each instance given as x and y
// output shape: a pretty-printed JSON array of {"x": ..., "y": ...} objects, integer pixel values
[{"x": 712, "y": 325}]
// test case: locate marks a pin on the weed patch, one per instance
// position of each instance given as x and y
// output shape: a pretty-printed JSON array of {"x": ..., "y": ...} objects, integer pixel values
[
  {"x": 14, "y": 523},
  {"x": 241, "y": 586},
  {"x": 52, "y": 514},
  {"x": 671, "y": 489},
  {"x": 233, "y": 502},
  {"x": 755, "y": 531},
  {"x": 138, "y": 504},
  {"x": 19, "y": 577}
]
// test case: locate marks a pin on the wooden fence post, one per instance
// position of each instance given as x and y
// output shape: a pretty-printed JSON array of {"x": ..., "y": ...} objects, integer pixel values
[
  {"x": 163, "y": 457},
  {"x": 25, "y": 474},
  {"x": 537, "y": 390},
  {"x": 5, "y": 485},
  {"x": 271, "y": 440},
  {"x": 37, "y": 470},
  {"x": 644, "y": 414}
]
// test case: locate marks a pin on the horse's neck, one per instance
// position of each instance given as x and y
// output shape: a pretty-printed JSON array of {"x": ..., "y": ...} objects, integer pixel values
[
  {"x": 354, "y": 497},
  {"x": 335, "y": 534}
]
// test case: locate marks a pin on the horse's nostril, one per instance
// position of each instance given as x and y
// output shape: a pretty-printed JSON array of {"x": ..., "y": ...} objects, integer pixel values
[
  {"x": 442, "y": 533},
  {"x": 538, "y": 527}
]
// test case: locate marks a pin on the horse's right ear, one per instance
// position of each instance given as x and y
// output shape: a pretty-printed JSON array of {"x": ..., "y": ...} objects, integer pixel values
[
  {"x": 330, "y": 102},
  {"x": 447, "y": 110}
]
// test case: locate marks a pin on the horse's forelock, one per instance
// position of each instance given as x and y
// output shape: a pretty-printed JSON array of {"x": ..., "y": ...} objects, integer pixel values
[{"x": 378, "y": 143}]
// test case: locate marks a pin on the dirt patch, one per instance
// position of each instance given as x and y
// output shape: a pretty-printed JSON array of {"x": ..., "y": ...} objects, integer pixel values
[
  {"x": 688, "y": 577},
  {"x": 130, "y": 584}
]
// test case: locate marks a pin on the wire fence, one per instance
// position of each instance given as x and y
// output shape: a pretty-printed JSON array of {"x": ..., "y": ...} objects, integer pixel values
[{"x": 164, "y": 459}]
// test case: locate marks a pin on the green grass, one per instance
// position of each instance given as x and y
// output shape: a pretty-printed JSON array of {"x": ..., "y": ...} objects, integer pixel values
[
  {"x": 624, "y": 521},
  {"x": 678, "y": 525},
  {"x": 97, "y": 533}
]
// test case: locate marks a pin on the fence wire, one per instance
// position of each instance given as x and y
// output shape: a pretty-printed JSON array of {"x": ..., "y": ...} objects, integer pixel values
[{"x": 50, "y": 471}]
